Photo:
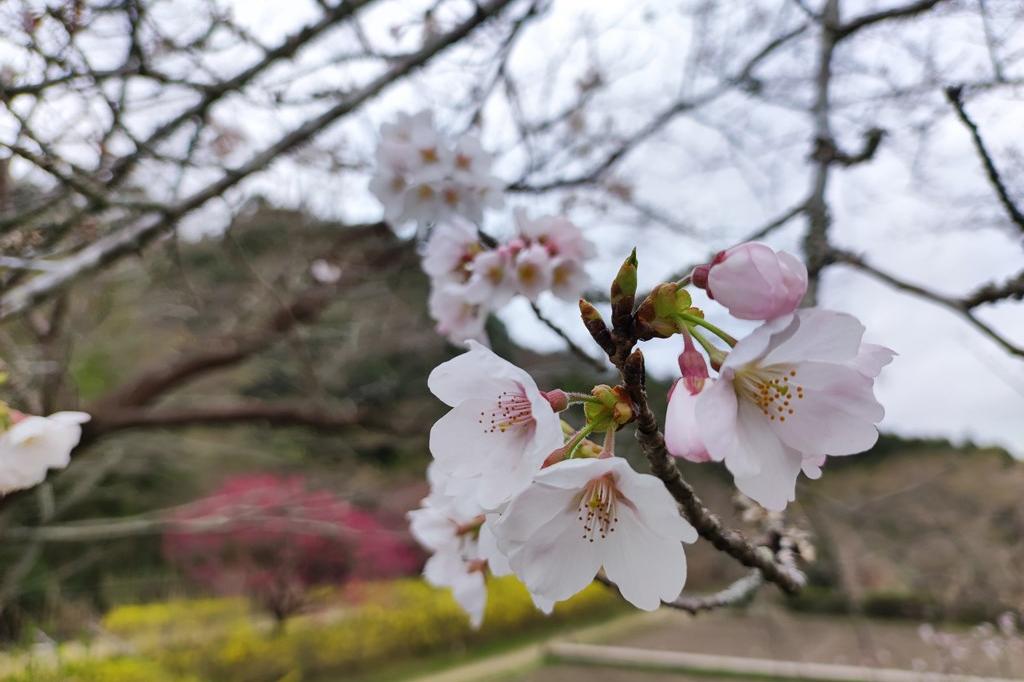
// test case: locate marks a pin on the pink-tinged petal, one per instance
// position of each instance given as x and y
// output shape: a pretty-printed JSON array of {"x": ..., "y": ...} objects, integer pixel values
[
  {"x": 821, "y": 335},
  {"x": 717, "y": 410},
  {"x": 812, "y": 466},
  {"x": 646, "y": 567},
  {"x": 775, "y": 486},
  {"x": 681, "y": 430},
  {"x": 837, "y": 414},
  {"x": 871, "y": 359},
  {"x": 476, "y": 373},
  {"x": 754, "y": 346}
]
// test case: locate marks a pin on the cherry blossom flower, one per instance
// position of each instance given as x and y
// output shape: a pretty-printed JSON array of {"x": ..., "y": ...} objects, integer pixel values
[
  {"x": 501, "y": 426},
  {"x": 450, "y": 250},
  {"x": 425, "y": 177},
  {"x": 491, "y": 279},
  {"x": 754, "y": 282},
  {"x": 34, "y": 444},
  {"x": 568, "y": 278},
  {"x": 533, "y": 269},
  {"x": 786, "y": 394},
  {"x": 580, "y": 515},
  {"x": 458, "y": 319}
]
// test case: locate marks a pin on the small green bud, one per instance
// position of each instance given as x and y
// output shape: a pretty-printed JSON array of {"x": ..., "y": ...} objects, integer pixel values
[
  {"x": 623, "y": 295},
  {"x": 611, "y": 410}
]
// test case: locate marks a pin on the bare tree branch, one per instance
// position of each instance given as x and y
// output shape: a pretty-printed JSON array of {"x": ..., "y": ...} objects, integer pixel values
[
  {"x": 960, "y": 306},
  {"x": 955, "y": 97}
]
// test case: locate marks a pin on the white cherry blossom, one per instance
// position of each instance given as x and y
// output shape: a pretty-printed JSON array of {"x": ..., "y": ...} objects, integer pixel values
[
  {"x": 788, "y": 393},
  {"x": 533, "y": 271},
  {"x": 581, "y": 515},
  {"x": 35, "y": 444},
  {"x": 500, "y": 429}
]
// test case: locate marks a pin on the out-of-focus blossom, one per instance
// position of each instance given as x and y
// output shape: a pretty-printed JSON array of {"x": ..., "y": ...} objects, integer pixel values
[
  {"x": 500, "y": 428},
  {"x": 580, "y": 515},
  {"x": 785, "y": 393},
  {"x": 533, "y": 270},
  {"x": 424, "y": 177},
  {"x": 32, "y": 445},
  {"x": 458, "y": 319},
  {"x": 754, "y": 282}
]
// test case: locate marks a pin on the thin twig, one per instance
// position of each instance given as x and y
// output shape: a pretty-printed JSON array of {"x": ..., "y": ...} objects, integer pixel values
[
  {"x": 573, "y": 346},
  {"x": 955, "y": 97}
]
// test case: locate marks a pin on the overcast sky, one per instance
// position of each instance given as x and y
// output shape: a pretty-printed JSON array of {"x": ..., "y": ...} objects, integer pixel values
[{"x": 921, "y": 208}]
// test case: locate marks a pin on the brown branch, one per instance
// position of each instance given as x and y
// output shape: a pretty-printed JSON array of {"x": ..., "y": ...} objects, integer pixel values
[
  {"x": 961, "y": 307},
  {"x": 108, "y": 421},
  {"x": 1012, "y": 288},
  {"x": 652, "y": 444},
  {"x": 955, "y": 97},
  {"x": 907, "y": 11}
]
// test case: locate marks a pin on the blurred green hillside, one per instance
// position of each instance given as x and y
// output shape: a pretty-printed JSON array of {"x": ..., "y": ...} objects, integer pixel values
[{"x": 912, "y": 528}]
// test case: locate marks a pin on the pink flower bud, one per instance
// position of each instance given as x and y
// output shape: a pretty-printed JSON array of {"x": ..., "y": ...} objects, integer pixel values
[
  {"x": 755, "y": 282},
  {"x": 558, "y": 398},
  {"x": 692, "y": 366}
]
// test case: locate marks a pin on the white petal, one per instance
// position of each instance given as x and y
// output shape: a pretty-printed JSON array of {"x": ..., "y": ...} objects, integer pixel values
[
  {"x": 753, "y": 346},
  {"x": 871, "y": 359},
  {"x": 528, "y": 512},
  {"x": 487, "y": 546},
  {"x": 647, "y": 568},
  {"x": 655, "y": 506},
  {"x": 478, "y": 373},
  {"x": 557, "y": 561},
  {"x": 775, "y": 486}
]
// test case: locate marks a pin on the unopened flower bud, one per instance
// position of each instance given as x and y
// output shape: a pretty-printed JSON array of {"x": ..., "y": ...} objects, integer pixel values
[
  {"x": 692, "y": 365},
  {"x": 595, "y": 325},
  {"x": 754, "y": 281},
  {"x": 623, "y": 293},
  {"x": 558, "y": 398}
]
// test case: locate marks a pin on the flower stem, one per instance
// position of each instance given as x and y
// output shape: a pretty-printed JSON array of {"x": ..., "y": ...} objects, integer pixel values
[
  {"x": 693, "y": 320},
  {"x": 573, "y": 445}
]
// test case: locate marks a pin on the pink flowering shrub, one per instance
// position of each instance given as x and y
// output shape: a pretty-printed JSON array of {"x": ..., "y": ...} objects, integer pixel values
[{"x": 272, "y": 538}]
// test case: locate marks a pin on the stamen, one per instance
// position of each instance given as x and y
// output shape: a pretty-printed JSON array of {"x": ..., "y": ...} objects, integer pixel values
[
  {"x": 597, "y": 508},
  {"x": 771, "y": 389},
  {"x": 512, "y": 410}
]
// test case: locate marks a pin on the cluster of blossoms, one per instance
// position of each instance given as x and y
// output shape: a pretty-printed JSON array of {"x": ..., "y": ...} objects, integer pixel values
[
  {"x": 797, "y": 389},
  {"x": 515, "y": 489},
  {"x": 444, "y": 186},
  {"x": 425, "y": 178},
  {"x": 471, "y": 276},
  {"x": 513, "y": 492},
  {"x": 31, "y": 445}
]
